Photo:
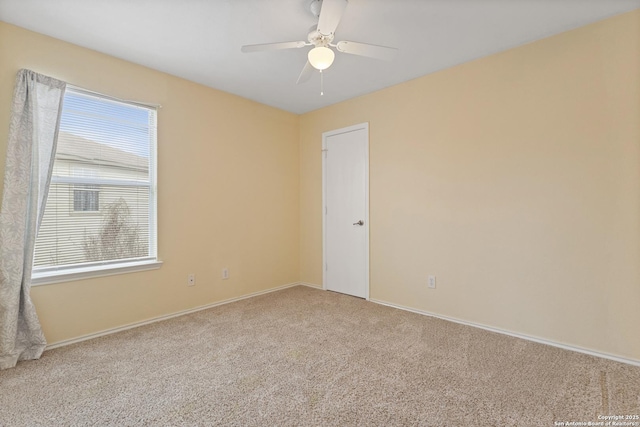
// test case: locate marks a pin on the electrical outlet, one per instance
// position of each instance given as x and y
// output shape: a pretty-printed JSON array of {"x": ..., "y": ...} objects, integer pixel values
[
  {"x": 432, "y": 282},
  {"x": 191, "y": 280},
  {"x": 225, "y": 273}
]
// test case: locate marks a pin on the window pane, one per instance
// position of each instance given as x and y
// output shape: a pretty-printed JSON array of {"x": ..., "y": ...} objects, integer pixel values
[{"x": 101, "y": 202}]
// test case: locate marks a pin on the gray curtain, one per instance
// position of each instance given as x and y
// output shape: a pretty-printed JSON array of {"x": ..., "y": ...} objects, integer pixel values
[{"x": 35, "y": 115}]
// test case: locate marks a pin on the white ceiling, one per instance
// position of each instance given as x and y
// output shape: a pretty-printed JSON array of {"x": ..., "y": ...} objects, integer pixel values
[{"x": 200, "y": 40}]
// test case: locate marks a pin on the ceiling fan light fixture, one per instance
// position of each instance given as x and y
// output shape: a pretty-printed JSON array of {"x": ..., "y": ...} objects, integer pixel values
[{"x": 321, "y": 57}]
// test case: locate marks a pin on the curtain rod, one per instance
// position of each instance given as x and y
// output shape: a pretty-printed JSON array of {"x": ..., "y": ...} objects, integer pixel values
[{"x": 114, "y": 98}]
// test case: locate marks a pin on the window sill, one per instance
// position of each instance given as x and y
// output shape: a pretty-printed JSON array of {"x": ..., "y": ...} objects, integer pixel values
[{"x": 49, "y": 278}]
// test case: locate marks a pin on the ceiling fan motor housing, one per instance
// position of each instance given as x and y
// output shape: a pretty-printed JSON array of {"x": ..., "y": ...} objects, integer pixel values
[{"x": 316, "y": 38}]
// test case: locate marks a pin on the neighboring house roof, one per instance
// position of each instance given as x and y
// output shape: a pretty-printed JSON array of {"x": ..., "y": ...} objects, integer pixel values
[{"x": 76, "y": 148}]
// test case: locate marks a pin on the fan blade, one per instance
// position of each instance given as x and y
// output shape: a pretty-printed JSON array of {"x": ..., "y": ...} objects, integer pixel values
[
  {"x": 330, "y": 15},
  {"x": 272, "y": 46},
  {"x": 306, "y": 73},
  {"x": 370, "y": 50}
]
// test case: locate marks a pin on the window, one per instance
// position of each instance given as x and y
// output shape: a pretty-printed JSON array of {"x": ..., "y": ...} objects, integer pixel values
[
  {"x": 100, "y": 214},
  {"x": 86, "y": 198}
]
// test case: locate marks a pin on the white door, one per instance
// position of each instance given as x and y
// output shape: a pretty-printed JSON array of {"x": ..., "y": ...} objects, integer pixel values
[{"x": 346, "y": 210}]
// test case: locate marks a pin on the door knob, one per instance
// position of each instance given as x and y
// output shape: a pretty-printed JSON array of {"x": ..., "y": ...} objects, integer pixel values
[{"x": 361, "y": 222}]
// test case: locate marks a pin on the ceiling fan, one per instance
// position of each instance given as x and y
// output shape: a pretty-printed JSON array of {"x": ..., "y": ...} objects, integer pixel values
[{"x": 321, "y": 38}]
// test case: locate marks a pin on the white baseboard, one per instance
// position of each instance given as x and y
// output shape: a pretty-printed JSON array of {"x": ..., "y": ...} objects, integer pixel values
[
  {"x": 310, "y": 285},
  {"x": 620, "y": 359},
  {"x": 165, "y": 317}
]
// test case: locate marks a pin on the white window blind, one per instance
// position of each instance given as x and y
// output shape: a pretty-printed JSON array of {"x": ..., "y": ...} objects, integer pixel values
[{"x": 101, "y": 207}]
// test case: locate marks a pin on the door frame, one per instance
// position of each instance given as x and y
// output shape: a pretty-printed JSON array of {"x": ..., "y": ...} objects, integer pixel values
[{"x": 325, "y": 135}]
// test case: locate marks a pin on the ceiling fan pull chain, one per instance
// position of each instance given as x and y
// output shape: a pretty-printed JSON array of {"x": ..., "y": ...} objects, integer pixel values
[{"x": 321, "y": 83}]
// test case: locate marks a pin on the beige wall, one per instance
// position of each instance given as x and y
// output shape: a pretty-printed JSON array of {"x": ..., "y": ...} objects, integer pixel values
[
  {"x": 227, "y": 191},
  {"x": 515, "y": 179}
]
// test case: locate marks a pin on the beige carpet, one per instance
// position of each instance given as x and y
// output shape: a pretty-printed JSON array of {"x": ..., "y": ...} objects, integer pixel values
[{"x": 306, "y": 357}]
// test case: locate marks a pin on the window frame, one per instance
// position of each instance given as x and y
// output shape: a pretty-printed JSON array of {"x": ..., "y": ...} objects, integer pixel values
[{"x": 80, "y": 271}]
